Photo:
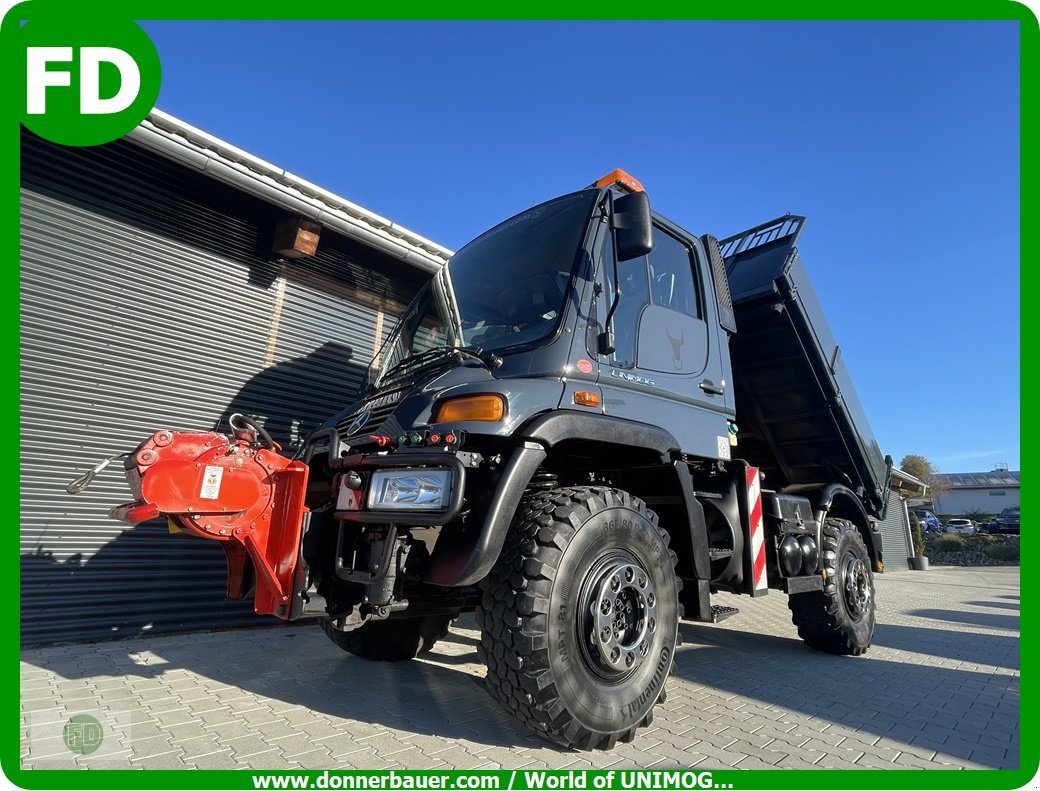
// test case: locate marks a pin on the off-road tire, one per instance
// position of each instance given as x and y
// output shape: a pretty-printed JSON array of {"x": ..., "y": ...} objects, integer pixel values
[
  {"x": 393, "y": 640},
  {"x": 840, "y": 619},
  {"x": 548, "y": 595}
]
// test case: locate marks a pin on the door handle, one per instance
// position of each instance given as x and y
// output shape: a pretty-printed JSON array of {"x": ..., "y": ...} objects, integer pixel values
[{"x": 710, "y": 387}]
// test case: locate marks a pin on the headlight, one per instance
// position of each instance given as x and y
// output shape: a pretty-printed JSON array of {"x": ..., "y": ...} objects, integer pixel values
[{"x": 410, "y": 490}]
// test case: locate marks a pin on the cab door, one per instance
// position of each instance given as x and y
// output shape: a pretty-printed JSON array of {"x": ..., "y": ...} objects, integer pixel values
[{"x": 668, "y": 368}]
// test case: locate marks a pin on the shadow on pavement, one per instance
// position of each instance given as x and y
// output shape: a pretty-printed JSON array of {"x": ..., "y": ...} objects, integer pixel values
[
  {"x": 300, "y": 666},
  {"x": 995, "y": 604},
  {"x": 982, "y": 649},
  {"x": 985, "y": 620},
  {"x": 879, "y": 697}
]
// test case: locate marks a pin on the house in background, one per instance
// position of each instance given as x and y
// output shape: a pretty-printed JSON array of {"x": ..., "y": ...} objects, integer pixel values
[{"x": 969, "y": 492}]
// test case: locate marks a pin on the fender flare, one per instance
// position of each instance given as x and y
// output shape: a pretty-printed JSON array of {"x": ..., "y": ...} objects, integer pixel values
[
  {"x": 843, "y": 502},
  {"x": 468, "y": 564},
  {"x": 554, "y": 427}
]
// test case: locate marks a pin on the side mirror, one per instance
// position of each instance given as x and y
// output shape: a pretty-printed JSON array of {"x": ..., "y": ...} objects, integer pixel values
[{"x": 634, "y": 227}]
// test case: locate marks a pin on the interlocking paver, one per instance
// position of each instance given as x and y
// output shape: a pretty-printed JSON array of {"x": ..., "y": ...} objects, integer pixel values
[{"x": 932, "y": 693}]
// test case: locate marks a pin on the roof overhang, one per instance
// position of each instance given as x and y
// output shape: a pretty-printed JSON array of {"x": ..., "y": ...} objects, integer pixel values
[
  {"x": 907, "y": 485},
  {"x": 174, "y": 139}
]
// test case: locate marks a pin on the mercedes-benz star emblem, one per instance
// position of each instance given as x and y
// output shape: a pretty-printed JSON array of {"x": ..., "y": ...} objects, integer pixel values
[{"x": 359, "y": 422}]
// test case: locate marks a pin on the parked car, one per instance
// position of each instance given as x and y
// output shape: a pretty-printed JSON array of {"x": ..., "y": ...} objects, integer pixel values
[
  {"x": 987, "y": 526},
  {"x": 963, "y": 527},
  {"x": 1008, "y": 521},
  {"x": 929, "y": 522}
]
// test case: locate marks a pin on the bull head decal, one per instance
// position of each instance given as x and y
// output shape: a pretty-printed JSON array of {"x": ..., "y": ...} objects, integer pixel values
[{"x": 677, "y": 344}]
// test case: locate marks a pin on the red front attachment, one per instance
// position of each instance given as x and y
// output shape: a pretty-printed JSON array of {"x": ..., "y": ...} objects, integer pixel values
[{"x": 249, "y": 498}]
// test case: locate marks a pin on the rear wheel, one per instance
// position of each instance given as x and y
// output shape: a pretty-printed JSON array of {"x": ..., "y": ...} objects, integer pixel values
[
  {"x": 579, "y": 616},
  {"x": 839, "y": 619},
  {"x": 391, "y": 640}
]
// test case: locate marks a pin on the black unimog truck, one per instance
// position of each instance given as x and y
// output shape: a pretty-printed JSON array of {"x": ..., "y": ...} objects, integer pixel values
[{"x": 550, "y": 437}]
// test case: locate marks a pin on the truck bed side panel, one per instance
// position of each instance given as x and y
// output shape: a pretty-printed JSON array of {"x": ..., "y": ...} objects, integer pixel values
[{"x": 800, "y": 418}]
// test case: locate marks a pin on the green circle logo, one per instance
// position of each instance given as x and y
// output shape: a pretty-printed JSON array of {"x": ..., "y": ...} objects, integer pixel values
[
  {"x": 83, "y": 734},
  {"x": 87, "y": 81}
]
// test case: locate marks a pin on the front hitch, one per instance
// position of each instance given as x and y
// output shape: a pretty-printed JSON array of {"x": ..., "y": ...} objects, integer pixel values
[{"x": 239, "y": 491}]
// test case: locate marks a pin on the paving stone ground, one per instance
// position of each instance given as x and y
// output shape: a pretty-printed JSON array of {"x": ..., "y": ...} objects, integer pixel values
[{"x": 938, "y": 690}]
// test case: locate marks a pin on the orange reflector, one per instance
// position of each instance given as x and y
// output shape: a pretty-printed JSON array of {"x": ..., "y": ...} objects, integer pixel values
[
  {"x": 880, "y": 566},
  {"x": 586, "y": 398},
  {"x": 621, "y": 179},
  {"x": 478, "y": 407}
]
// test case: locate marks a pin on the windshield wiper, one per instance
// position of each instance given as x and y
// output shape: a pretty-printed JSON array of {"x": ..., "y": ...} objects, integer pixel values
[{"x": 490, "y": 360}]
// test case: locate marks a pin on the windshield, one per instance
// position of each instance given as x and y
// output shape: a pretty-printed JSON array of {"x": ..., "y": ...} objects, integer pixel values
[{"x": 504, "y": 289}]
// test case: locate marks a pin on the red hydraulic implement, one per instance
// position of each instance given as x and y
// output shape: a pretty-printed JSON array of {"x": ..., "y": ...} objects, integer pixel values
[{"x": 232, "y": 490}]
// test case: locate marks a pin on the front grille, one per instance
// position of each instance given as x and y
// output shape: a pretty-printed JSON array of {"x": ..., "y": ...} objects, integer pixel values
[{"x": 382, "y": 407}]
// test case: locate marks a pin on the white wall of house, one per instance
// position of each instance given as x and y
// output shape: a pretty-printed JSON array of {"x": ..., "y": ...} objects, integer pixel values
[{"x": 990, "y": 500}]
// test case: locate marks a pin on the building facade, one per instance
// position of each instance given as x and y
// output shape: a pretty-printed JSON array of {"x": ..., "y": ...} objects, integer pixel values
[
  {"x": 152, "y": 297},
  {"x": 976, "y": 492}
]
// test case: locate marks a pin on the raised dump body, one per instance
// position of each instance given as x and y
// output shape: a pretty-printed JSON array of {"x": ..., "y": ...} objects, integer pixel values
[{"x": 800, "y": 419}]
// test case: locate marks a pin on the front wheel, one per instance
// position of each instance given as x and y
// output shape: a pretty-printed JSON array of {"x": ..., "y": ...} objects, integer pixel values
[
  {"x": 579, "y": 617},
  {"x": 839, "y": 619}
]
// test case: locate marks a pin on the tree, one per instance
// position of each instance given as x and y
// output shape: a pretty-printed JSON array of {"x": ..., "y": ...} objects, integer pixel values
[
  {"x": 918, "y": 466},
  {"x": 924, "y": 471}
]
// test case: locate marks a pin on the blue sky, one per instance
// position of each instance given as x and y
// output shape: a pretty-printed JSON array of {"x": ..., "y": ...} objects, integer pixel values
[{"x": 898, "y": 140}]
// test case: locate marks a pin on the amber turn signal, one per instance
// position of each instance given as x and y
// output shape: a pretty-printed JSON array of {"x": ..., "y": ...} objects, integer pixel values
[
  {"x": 487, "y": 408},
  {"x": 586, "y": 398}
]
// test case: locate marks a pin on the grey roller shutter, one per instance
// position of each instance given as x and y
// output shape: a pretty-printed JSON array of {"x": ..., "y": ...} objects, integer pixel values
[
  {"x": 149, "y": 300},
  {"x": 896, "y": 534}
]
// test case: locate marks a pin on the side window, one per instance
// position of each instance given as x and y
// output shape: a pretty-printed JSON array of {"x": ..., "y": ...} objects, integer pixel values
[
  {"x": 671, "y": 275},
  {"x": 665, "y": 278}
]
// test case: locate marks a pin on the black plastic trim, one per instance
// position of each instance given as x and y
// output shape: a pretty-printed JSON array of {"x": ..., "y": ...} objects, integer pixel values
[
  {"x": 695, "y": 519},
  {"x": 466, "y": 565},
  {"x": 555, "y": 427},
  {"x": 813, "y": 582}
]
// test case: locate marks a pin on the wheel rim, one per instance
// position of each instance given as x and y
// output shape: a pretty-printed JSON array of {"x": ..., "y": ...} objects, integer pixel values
[
  {"x": 856, "y": 586},
  {"x": 618, "y": 615}
]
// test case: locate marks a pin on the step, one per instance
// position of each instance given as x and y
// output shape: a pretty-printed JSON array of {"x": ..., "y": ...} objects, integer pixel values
[{"x": 720, "y": 613}]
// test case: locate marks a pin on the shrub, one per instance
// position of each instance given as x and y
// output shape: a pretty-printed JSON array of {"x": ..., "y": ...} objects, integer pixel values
[
  {"x": 1003, "y": 551},
  {"x": 918, "y": 537},
  {"x": 951, "y": 543}
]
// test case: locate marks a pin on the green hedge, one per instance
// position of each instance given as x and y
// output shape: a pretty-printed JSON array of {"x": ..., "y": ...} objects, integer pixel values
[{"x": 1003, "y": 551}]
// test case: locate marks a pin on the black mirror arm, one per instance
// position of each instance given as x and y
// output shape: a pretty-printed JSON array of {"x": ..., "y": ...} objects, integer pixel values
[{"x": 606, "y": 338}]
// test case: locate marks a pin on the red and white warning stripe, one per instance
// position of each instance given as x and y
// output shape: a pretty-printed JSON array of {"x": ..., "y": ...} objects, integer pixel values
[{"x": 758, "y": 544}]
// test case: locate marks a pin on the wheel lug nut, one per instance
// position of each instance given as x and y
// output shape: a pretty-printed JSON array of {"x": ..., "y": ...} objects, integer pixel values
[{"x": 629, "y": 659}]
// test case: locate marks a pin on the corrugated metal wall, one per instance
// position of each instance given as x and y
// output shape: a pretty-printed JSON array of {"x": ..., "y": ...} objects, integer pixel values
[
  {"x": 149, "y": 300},
  {"x": 896, "y": 534}
]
